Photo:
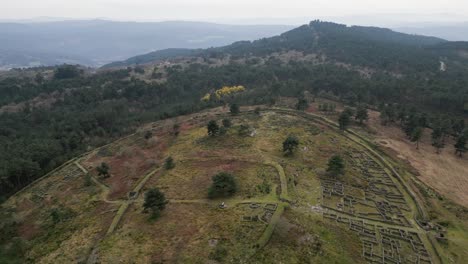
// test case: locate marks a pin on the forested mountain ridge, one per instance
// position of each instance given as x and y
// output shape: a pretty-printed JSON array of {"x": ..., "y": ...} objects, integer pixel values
[
  {"x": 366, "y": 46},
  {"x": 80, "y": 109}
]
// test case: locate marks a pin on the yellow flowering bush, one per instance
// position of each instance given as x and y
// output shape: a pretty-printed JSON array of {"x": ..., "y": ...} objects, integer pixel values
[{"x": 224, "y": 91}]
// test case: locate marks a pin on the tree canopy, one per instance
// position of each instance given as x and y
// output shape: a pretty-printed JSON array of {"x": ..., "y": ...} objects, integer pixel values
[
  {"x": 224, "y": 185},
  {"x": 344, "y": 120},
  {"x": 234, "y": 109},
  {"x": 290, "y": 144},
  {"x": 103, "y": 170},
  {"x": 155, "y": 201},
  {"x": 336, "y": 165},
  {"x": 213, "y": 128}
]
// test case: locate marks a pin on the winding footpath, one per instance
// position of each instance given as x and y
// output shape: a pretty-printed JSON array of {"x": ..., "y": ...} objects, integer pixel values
[
  {"x": 282, "y": 200},
  {"x": 418, "y": 212}
]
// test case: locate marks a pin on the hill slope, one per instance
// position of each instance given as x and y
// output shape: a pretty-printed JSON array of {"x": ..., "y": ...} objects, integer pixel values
[
  {"x": 366, "y": 46},
  {"x": 416, "y": 78},
  {"x": 286, "y": 208}
]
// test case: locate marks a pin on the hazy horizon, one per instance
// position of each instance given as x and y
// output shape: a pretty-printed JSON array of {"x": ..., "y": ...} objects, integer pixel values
[
  {"x": 293, "y": 12},
  {"x": 96, "y": 43},
  {"x": 380, "y": 20}
]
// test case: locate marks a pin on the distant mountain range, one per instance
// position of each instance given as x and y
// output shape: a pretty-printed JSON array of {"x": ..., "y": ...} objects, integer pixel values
[
  {"x": 99, "y": 42},
  {"x": 96, "y": 42},
  {"x": 453, "y": 32}
]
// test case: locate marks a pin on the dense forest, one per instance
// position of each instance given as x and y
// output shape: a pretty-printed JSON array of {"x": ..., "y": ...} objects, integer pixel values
[{"x": 90, "y": 109}]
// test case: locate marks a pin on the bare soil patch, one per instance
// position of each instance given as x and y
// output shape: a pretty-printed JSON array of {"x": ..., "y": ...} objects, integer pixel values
[{"x": 444, "y": 172}]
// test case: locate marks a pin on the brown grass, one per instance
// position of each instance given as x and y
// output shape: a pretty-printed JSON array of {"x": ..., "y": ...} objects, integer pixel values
[
  {"x": 445, "y": 172},
  {"x": 181, "y": 235},
  {"x": 129, "y": 164}
]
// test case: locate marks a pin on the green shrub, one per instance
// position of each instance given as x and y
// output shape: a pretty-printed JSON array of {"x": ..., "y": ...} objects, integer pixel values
[
  {"x": 103, "y": 170},
  {"x": 336, "y": 165},
  {"x": 265, "y": 187},
  {"x": 213, "y": 128},
  {"x": 234, "y": 109},
  {"x": 290, "y": 144},
  {"x": 155, "y": 201},
  {"x": 219, "y": 253},
  {"x": 87, "y": 180},
  {"x": 223, "y": 185},
  {"x": 169, "y": 163}
]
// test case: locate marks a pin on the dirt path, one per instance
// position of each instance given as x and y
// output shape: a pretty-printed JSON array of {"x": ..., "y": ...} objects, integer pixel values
[
  {"x": 124, "y": 204},
  {"x": 284, "y": 182},
  {"x": 105, "y": 190},
  {"x": 415, "y": 204},
  {"x": 281, "y": 201}
]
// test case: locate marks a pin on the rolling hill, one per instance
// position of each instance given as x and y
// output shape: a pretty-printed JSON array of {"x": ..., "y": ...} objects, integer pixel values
[
  {"x": 365, "y": 46},
  {"x": 286, "y": 208}
]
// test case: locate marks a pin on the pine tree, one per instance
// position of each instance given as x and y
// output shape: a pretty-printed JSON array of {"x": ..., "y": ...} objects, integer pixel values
[
  {"x": 223, "y": 185},
  {"x": 417, "y": 135},
  {"x": 155, "y": 201},
  {"x": 234, "y": 109},
  {"x": 460, "y": 145},
  {"x": 437, "y": 139},
  {"x": 103, "y": 170},
  {"x": 361, "y": 114},
  {"x": 213, "y": 128},
  {"x": 344, "y": 120},
  {"x": 169, "y": 163},
  {"x": 302, "y": 104},
  {"x": 336, "y": 165},
  {"x": 290, "y": 144}
]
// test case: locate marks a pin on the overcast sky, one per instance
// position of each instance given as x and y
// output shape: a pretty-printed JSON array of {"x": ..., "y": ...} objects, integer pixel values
[{"x": 227, "y": 10}]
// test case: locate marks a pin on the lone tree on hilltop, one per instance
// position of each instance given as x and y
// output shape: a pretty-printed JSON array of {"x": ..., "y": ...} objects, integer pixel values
[
  {"x": 223, "y": 185},
  {"x": 103, "y": 170},
  {"x": 169, "y": 163},
  {"x": 336, "y": 165},
  {"x": 417, "y": 135},
  {"x": 361, "y": 114},
  {"x": 290, "y": 144},
  {"x": 155, "y": 201},
  {"x": 234, "y": 109},
  {"x": 460, "y": 145},
  {"x": 344, "y": 120},
  {"x": 213, "y": 128}
]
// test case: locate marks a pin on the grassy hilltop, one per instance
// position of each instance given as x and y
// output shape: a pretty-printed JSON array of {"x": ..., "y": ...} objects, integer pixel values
[{"x": 286, "y": 209}]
